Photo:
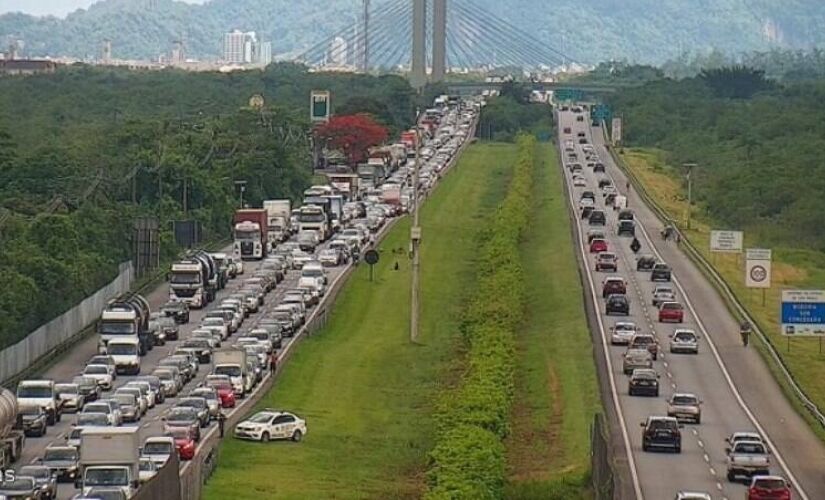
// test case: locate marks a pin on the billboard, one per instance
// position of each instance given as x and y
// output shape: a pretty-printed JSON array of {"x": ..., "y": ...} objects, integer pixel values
[{"x": 319, "y": 106}]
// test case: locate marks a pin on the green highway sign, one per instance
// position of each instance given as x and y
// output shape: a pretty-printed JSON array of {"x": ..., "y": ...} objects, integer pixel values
[
  {"x": 568, "y": 95},
  {"x": 600, "y": 113}
]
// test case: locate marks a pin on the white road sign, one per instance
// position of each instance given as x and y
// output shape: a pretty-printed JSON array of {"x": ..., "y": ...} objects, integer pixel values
[
  {"x": 758, "y": 254},
  {"x": 758, "y": 268},
  {"x": 726, "y": 241},
  {"x": 616, "y": 130}
]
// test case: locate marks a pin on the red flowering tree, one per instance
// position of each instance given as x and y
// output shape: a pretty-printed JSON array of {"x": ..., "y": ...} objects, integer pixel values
[{"x": 353, "y": 135}]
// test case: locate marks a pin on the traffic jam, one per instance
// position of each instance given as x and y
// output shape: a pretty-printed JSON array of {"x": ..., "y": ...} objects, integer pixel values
[
  {"x": 171, "y": 367},
  {"x": 688, "y": 437}
]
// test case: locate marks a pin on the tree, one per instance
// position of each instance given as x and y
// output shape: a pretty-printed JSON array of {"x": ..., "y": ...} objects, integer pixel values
[
  {"x": 736, "y": 82},
  {"x": 353, "y": 135}
]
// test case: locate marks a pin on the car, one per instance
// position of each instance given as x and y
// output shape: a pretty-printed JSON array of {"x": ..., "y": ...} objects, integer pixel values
[
  {"x": 104, "y": 359},
  {"x": 769, "y": 488},
  {"x": 743, "y": 436},
  {"x": 147, "y": 469},
  {"x": 177, "y": 310},
  {"x": 643, "y": 382},
  {"x": 147, "y": 391},
  {"x": 613, "y": 285},
  {"x": 579, "y": 182},
  {"x": 71, "y": 396},
  {"x": 158, "y": 449},
  {"x": 579, "y": 118},
  {"x": 633, "y": 359},
  {"x": 661, "y": 294},
  {"x": 271, "y": 424},
  {"x": 660, "y": 272},
  {"x": 223, "y": 386},
  {"x": 747, "y": 459},
  {"x": 622, "y": 332},
  {"x": 101, "y": 373},
  {"x": 330, "y": 257},
  {"x": 44, "y": 480},
  {"x": 598, "y": 167},
  {"x": 108, "y": 406},
  {"x": 617, "y": 304},
  {"x": 597, "y": 218},
  {"x": 692, "y": 495},
  {"x": 33, "y": 420},
  {"x": 103, "y": 493},
  {"x": 212, "y": 399},
  {"x": 610, "y": 199},
  {"x": 566, "y": 130},
  {"x": 626, "y": 228},
  {"x": 598, "y": 245},
  {"x": 684, "y": 341},
  {"x": 21, "y": 487},
  {"x": 685, "y": 406},
  {"x": 646, "y": 341},
  {"x": 671, "y": 312},
  {"x": 62, "y": 462},
  {"x": 626, "y": 214},
  {"x": 198, "y": 403},
  {"x": 587, "y": 195},
  {"x": 593, "y": 234},
  {"x": 645, "y": 262},
  {"x": 606, "y": 261},
  {"x": 129, "y": 406},
  {"x": 185, "y": 442},
  {"x": 586, "y": 210},
  {"x": 661, "y": 433},
  {"x": 183, "y": 418}
]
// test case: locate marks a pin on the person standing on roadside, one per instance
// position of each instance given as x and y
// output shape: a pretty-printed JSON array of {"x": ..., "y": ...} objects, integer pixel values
[{"x": 221, "y": 421}]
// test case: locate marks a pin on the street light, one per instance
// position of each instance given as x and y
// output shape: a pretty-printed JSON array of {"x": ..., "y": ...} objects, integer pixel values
[
  {"x": 689, "y": 176},
  {"x": 241, "y": 185},
  {"x": 415, "y": 239}
]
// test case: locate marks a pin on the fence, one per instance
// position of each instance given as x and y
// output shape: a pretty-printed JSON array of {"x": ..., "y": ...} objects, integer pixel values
[
  {"x": 601, "y": 467},
  {"x": 60, "y": 331}
]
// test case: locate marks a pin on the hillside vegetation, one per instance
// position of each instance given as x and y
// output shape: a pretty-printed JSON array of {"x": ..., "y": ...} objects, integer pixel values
[
  {"x": 587, "y": 30},
  {"x": 85, "y": 151}
]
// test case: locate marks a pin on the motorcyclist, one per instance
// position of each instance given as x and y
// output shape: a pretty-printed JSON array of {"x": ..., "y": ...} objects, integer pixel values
[
  {"x": 635, "y": 245},
  {"x": 745, "y": 332}
]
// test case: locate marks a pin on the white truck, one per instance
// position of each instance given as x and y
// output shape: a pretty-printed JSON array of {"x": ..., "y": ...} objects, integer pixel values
[
  {"x": 279, "y": 224},
  {"x": 314, "y": 218},
  {"x": 40, "y": 393},
  {"x": 232, "y": 362},
  {"x": 110, "y": 457},
  {"x": 126, "y": 353}
]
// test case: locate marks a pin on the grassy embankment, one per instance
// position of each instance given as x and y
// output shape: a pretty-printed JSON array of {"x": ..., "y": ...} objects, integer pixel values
[
  {"x": 791, "y": 268},
  {"x": 548, "y": 452},
  {"x": 366, "y": 392}
]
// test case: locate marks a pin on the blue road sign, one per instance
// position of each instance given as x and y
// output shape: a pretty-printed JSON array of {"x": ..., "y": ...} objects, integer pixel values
[
  {"x": 601, "y": 113},
  {"x": 803, "y": 313}
]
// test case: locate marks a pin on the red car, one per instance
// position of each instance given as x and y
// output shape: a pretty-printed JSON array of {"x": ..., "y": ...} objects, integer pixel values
[
  {"x": 769, "y": 488},
  {"x": 225, "y": 393},
  {"x": 671, "y": 312},
  {"x": 598, "y": 245},
  {"x": 184, "y": 442}
]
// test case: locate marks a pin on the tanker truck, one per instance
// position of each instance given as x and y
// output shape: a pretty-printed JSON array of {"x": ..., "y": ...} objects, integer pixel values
[
  {"x": 126, "y": 316},
  {"x": 195, "y": 280},
  {"x": 11, "y": 439}
]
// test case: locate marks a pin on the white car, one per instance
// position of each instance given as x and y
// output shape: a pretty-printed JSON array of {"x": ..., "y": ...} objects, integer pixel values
[
  {"x": 158, "y": 449},
  {"x": 101, "y": 373},
  {"x": 271, "y": 424},
  {"x": 684, "y": 341},
  {"x": 579, "y": 182},
  {"x": 586, "y": 202},
  {"x": 622, "y": 332}
]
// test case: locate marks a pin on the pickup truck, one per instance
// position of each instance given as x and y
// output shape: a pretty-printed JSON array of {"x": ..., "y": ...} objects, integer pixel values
[{"x": 747, "y": 458}]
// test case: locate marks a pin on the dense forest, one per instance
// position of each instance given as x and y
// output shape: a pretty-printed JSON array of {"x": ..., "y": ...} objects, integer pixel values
[
  {"x": 85, "y": 151},
  {"x": 758, "y": 144}
]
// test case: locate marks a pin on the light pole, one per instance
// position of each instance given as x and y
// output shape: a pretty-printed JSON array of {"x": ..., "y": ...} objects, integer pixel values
[
  {"x": 415, "y": 240},
  {"x": 689, "y": 175},
  {"x": 241, "y": 187}
]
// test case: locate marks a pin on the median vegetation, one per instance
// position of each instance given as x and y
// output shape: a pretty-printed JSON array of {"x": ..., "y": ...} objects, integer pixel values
[{"x": 468, "y": 459}]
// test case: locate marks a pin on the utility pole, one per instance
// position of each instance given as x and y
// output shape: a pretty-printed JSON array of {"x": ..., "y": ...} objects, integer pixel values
[
  {"x": 241, "y": 187},
  {"x": 415, "y": 240},
  {"x": 689, "y": 175}
]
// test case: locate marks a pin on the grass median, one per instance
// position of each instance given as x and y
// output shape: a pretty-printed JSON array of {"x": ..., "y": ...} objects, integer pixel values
[
  {"x": 548, "y": 452},
  {"x": 366, "y": 392},
  {"x": 791, "y": 268}
]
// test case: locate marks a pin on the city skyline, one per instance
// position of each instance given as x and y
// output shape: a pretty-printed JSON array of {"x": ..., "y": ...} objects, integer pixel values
[{"x": 58, "y": 8}]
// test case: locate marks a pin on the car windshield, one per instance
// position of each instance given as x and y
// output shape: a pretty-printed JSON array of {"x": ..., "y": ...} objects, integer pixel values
[
  {"x": 97, "y": 408},
  {"x": 672, "y": 305},
  {"x": 182, "y": 413},
  {"x": 213, "y": 321},
  {"x": 29, "y": 410},
  {"x": 663, "y": 425},
  {"x": 184, "y": 278},
  {"x": 66, "y": 388},
  {"x": 117, "y": 328},
  {"x": 231, "y": 370},
  {"x": 147, "y": 465},
  {"x": 30, "y": 391},
  {"x": 157, "y": 448},
  {"x": 687, "y": 336},
  {"x": 178, "y": 434},
  {"x": 684, "y": 400},
  {"x": 96, "y": 370},
  {"x": 122, "y": 349},
  {"x": 60, "y": 454},
  {"x": 190, "y": 403},
  {"x": 643, "y": 340},
  {"x": 98, "y": 418},
  {"x": 769, "y": 484},
  {"x": 260, "y": 418},
  {"x": 749, "y": 448},
  {"x": 106, "y": 477},
  {"x": 218, "y": 385}
]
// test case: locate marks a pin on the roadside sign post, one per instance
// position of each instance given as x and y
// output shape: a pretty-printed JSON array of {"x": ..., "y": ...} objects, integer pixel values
[
  {"x": 802, "y": 313},
  {"x": 371, "y": 257},
  {"x": 726, "y": 241},
  {"x": 319, "y": 106},
  {"x": 758, "y": 269}
]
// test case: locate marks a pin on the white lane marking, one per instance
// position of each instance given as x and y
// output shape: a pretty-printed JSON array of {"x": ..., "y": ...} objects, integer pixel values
[
  {"x": 712, "y": 471},
  {"x": 721, "y": 364},
  {"x": 719, "y": 486},
  {"x": 606, "y": 350},
  {"x": 701, "y": 444},
  {"x": 706, "y": 457}
]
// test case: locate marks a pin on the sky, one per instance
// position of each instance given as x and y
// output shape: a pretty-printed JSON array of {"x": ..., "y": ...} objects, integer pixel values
[{"x": 54, "y": 7}]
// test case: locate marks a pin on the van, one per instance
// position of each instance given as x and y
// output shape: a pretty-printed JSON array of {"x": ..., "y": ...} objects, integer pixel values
[{"x": 126, "y": 353}]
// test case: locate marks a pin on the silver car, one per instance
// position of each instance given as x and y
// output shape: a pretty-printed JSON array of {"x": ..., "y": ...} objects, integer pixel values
[
  {"x": 685, "y": 407},
  {"x": 636, "y": 358},
  {"x": 684, "y": 341}
]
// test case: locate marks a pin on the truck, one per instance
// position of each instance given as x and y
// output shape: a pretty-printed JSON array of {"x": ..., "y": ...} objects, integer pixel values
[
  {"x": 109, "y": 457},
  {"x": 336, "y": 209},
  {"x": 346, "y": 184},
  {"x": 125, "y": 316},
  {"x": 747, "y": 458},
  {"x": 126, "y": 353},
  {"x": 279, "y": 227},
  {"x": 40, "y": 393},
  {"x": 232, "y": 362},
  {"x": 11, "y": 439},
  {"x": 391, "y": 194},
  {"x": 314, "y": 218},
  {"x": 251, "y": 226},
  {"x": 195, "y": 279},
  {"x": 371, "y": 174}
]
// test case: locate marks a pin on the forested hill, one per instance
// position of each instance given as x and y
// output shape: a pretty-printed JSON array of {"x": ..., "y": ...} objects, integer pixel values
[{"x": 588, "y": 30}]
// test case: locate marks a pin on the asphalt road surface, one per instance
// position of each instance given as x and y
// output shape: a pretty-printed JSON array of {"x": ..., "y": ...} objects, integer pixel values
[{"x": 737, "y": 390}]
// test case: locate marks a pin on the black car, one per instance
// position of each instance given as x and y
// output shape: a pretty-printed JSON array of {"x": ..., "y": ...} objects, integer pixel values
[
  {"x": 645, "y": 262},
  {"x": 617, "y": 304},
  {"x": 32, "y": 420},
  {"x": 62, "y": 461},
  {"x": 610, "y": 199},
  {"x": 626, "y": 227},
  {"x": 604, "y": 182},
  {"x": 643, "y": 382},
  {"x": 597, "y": 218},
  {"x": 662, "y": 433},
  {"x": 626, "y": 214},
  {"x": 598, "y": 167},
  {"x": 586, "y": 211},
  {"x": 660, "y": 272},
  {"x": 588, "y": 194},
  {"x": 179, "y": 311}
]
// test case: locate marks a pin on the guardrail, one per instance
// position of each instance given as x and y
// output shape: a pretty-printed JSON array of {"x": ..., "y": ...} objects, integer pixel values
[{"x": 718, "y": 281}]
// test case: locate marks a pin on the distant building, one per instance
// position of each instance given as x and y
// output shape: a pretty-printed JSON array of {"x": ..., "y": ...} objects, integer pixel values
[
  {"x": 238, "y": 47},
  {"x": 10, "y": 67},
  {"x": 265, "y": 53},
  {"x": 106, "y": 57}
]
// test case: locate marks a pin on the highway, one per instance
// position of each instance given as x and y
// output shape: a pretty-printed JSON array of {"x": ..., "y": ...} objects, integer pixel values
[{"x": 737, "y": 390}]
